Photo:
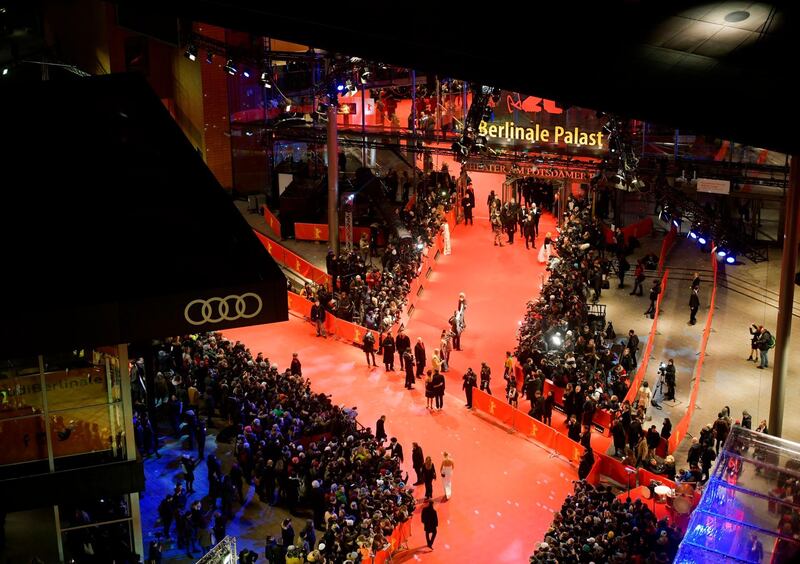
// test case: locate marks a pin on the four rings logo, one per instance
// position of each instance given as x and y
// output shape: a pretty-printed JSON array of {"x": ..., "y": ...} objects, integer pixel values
[{"x": 217, "y": 310}]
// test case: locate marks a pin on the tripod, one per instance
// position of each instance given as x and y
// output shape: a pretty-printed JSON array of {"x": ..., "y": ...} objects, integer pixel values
[{"x": 658, "y": 391}]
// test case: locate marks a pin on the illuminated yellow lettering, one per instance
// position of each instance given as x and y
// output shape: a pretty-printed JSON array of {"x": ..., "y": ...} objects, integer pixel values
[
  {"x": 519, "y": 133},
  {"x": 544, "y": 136},
  {"x": 559, "y": 134},
  {"x": 569, "y": 137},
  {"x": 493, "y": 130},
  {"x": 599, "y": 139},
  {"x": 583, "y": 138},
  {"x": 530, "y": 134},
  {"x": 482, "y": 128}
]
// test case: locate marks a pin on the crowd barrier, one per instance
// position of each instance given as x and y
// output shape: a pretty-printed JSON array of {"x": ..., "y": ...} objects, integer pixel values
[
  {"x": 680, "y": 430},
  {"x": 293, "y": 261},
  {"x": 639, "y": 229},
  {"x": 319, "y": 232},
  {"x": 666, "y": 247},
  {"x": 272, "y": 221},
  {"x": 560, "y": 443}
]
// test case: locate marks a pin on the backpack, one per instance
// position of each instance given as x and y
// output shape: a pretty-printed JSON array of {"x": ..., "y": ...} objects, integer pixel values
[{"x": 771, "y": 341}]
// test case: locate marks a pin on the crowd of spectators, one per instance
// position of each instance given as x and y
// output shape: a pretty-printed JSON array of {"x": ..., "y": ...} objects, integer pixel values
[
  {"x": 373, "y": 293},
  {"x": 293, "y": 446},
  {"x": 594, "y": 526},
  {"x": 558, "y": 339}
]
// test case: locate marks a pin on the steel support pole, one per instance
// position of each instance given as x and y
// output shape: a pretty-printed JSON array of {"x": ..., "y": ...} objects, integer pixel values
[
  {"x": 783, "y": 331},
  {"x": 333, "y": 180}
]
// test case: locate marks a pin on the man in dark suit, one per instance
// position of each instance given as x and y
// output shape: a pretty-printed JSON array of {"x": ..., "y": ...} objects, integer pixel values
[
  {"x": 694, "y": 305},
  {"x": 396, "y": 449},
  {"x": 430, "y": 521},
  {"x": 417, "y": 460},
  {"x": 318, "y": 318},
  {"x": 380, "y": 429},
  {"x": 402, "y": 343}
]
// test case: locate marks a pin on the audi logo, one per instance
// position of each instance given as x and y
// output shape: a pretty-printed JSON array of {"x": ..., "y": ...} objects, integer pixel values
[{"x": 217, "y": 310}]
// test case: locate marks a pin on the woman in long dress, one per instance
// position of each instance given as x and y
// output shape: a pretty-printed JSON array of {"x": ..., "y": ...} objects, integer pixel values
[
  {"x": 544, "y": 251},
  {"x": 446, "y": 470}
]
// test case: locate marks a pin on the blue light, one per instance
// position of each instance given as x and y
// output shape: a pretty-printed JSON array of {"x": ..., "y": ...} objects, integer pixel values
[
  {"x": 246, "y": 73},
  {"x": 340, "y": 87},
  {"x": 701, "y": 240},
  {"x": 692, "y": 234},
  {"x": 730, "y": 259},
  {"x": 722, "y": 253},
  {"x": 676, "y": 223}
]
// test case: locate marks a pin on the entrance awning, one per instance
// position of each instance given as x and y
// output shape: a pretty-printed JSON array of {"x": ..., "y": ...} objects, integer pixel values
[{"x": 113, "y": 229}]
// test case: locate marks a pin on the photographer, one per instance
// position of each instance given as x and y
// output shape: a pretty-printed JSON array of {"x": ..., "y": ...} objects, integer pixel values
[{"x": 669, "y": 377}]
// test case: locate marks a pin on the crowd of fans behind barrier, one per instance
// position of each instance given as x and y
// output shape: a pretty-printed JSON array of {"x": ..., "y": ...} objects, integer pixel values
[
  {"x": 373, "y": 293},
  {"x": 296, "y": 448}
]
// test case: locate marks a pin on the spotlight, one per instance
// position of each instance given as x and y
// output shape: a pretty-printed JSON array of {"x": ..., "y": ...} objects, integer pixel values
[
  {"x": 191, "y": 52},
  {"x": 556, "y": 340},
  {"x": 249, "y": 133},
  {"x": 209, "y": 57},
  {"x": 230, "y": 67},
  {"x": 420, "y": 246},
  {"x": 246, "y": 73},
  {"x": 265, "y": 80},
  {"x": 676, "y": 222},
  {"x": 730, "y": 259},
  {"x": 340, "y": 87},
  {"x": 5, "y": 71},
  {"x": 702, "y": 240},
  {"x": 692, "y": 234},
  {"x": 721, "y": 253}
]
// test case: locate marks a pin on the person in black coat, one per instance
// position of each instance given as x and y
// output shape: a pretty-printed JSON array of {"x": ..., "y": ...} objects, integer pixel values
[
  {"x": 547, "y": 414},
  {"x": 655, "y": 290},
  {"x": 470, "y": 381},
  {"x": 407, "y": 360},
  {"x": 318, "y": 318},
  {"x": 417, "y": 461},
  {"x": 694, "y": 305},
  {"x": 369, "y": 347},
  {"x": 387, "y": 345},
  {"x": 380, "y": 429},
  {"x": 402, "y": 343},
  {"x": 428, "y": 476},
  {"x": 419, "y": 357},
  {"x": 396, "y": 449},
  {"x": 430, "y": 522},
  {"x": 438, "y": 389},
  {"x": 618, "y": 432},
  {"x": 585, "y": 466}
]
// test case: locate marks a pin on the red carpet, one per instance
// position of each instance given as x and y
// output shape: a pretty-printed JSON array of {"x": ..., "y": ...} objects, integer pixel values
[{"x": 505, "y": 487}]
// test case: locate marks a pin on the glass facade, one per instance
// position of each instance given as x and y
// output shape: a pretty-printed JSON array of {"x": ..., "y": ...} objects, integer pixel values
[
  {"x": 61, "y": 408},
  {"x": 750, "y": 510}
]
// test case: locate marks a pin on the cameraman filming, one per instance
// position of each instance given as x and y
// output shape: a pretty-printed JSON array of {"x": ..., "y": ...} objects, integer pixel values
[{"x": 669, "y": 378}]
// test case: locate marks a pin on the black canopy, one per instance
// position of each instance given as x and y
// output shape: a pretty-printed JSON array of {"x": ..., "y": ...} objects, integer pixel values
[{"x": 113, "y": 229}]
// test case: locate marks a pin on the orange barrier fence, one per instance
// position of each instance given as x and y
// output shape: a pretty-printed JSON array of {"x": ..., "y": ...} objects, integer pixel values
[
  {"x": 561, "y": 444},
  {"x": 680, "y": 430},
  {"x": 639, "y": 229},
  {"x": 319, "y": 232},
  {"x": 272, "y": 221},
  {"x": 666, "y": 246},
  {"x": 293, "y": 261}
]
